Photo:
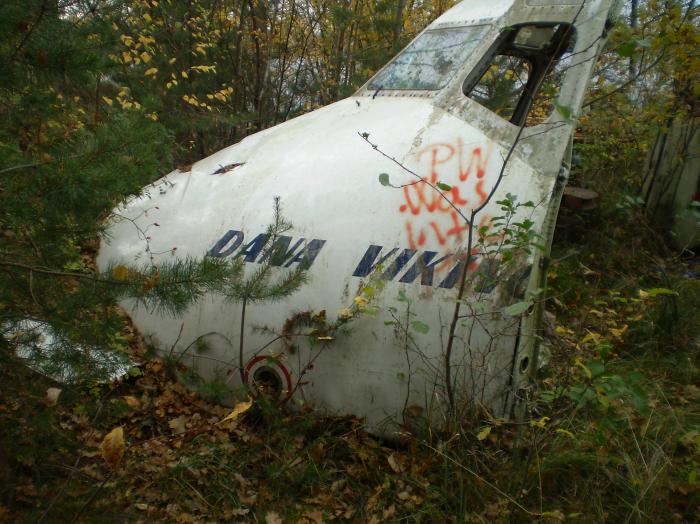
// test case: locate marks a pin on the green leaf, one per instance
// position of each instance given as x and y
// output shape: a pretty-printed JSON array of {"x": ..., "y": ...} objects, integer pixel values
[
  {"x": 660, "y": 291},
  {"x": 384, "y": 179},
  {"x": 442, "y": 186},
  {"x": 627, "y": 49},
  {"x": 420, "y": 327},
  {"x": 640, "y": 400},
  {"x": 565, "y": 111},
  {"x": 485, "y": 431},
  {"x": 518, "y": 308},
  {"x": 596, "y": 367}
]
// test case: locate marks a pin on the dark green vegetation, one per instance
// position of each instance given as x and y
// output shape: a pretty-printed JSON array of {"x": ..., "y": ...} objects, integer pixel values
[{"x": 612, "y": 426}]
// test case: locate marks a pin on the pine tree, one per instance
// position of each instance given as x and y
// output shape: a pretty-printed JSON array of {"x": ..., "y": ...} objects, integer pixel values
[{"x": 68, "y": 157}]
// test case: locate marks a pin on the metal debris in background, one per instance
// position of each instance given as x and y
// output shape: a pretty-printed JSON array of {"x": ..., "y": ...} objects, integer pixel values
[{"x": 50, "y": 353}]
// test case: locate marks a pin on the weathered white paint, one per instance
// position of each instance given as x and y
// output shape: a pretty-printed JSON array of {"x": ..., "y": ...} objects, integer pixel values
[{"x": 326, "y": 177}]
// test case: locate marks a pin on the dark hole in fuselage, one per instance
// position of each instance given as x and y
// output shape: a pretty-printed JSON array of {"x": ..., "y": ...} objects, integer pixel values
[
  {"x": 267, "y": 381},
  {"x": 524, "y": 363}
]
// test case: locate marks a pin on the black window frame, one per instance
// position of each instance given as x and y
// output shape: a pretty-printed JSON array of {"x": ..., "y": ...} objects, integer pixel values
[{"x": 541, "y": 61}]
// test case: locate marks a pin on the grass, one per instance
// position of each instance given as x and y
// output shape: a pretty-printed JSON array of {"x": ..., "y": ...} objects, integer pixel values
[{"x": 622, "y": 446}]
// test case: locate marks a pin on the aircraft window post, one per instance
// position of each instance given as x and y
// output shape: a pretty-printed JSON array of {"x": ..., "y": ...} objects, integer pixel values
[{"x": 521, "y": 75}]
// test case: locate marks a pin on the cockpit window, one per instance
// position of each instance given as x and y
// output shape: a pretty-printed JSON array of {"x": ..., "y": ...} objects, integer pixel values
[
  {"x": 501, "y": 86},
  {"x": 431, "y": 61},
  {"x": 521, "y": 76}
]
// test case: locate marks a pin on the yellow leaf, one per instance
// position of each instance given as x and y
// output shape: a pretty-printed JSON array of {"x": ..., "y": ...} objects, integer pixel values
[
  {"x": 184, "y": 74},
  {"x": 126, "y": 57},
  {"x": 485, "y": 431},
  {"x": 150, "y": 282},
  {"x": 591, "y": 336},
  {"x": 147, "y": 17},
  {"x": 145, "y": 57},
  {"x": 566, "y": 432},
  {"x": 108, "y": 100},
  {"x": 580, "y": 364},
  {"x": 619, "y": 333},
  {"x": 172, "y": 61},
  {"x": 151, "y": 71},
  {"x": 238, "y": 410},
  {"x": 361, "y": 301},
  {"x": 132, "y": 402},
  {"x": 345, "y": 313},
  {"x": 541, "y": 423},
  {"x": 394, "y": 464},
  {"x": 120, "y": 272},
  {"x": 272, "y": 517},
  {"x": 554, "y": 515},
  {"x": 178, "y": 425},
  {"x": 112, "y": 448}
]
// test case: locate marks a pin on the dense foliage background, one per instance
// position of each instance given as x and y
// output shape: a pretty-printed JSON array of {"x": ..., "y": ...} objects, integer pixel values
[{"x": 100, "y": 97}]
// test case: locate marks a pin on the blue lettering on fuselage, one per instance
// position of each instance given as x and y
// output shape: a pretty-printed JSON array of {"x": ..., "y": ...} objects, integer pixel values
[
  {"x": 404, "y": 265},
  {"x": 282, "y": 252}
]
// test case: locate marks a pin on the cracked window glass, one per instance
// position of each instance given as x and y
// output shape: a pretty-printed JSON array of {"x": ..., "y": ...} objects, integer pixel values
[{"x": 432, "y": 60}]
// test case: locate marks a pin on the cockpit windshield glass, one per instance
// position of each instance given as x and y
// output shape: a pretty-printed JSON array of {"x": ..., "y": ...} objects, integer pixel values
[{"x": 431, "y": 61}]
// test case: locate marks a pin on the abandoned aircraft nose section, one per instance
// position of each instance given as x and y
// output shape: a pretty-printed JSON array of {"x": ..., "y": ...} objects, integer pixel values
[{"x": 421, "y": 210}]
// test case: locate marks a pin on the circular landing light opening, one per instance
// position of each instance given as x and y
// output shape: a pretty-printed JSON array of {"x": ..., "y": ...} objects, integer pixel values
[{"x": 267, "y": 382}]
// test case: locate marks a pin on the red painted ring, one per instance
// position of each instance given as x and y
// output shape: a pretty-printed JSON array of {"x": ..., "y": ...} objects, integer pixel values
[{"x": 283, "y": 369}]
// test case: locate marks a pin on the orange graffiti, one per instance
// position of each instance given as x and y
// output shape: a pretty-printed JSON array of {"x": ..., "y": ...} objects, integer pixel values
[{"x": 463, "y": 171}]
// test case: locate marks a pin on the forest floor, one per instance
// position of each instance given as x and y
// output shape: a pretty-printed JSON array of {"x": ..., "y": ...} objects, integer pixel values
[{"x": 613, "y": 431}]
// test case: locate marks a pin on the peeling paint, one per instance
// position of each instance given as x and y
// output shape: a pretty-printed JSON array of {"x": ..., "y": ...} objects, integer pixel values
[{"x": 326, "y": 177}]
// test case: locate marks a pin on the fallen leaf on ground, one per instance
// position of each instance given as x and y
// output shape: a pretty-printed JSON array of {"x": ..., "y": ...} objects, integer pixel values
[
  {"x": 178, "y": 425},
  {"x": 273, "y": 517},
  {"x": 315, "y": 516},
  {"x": 394, "y": 463},
  {"x": 113, "y": 447},
  {"x": 238, "y": 410},
  {"x": 132, "y": 402}
]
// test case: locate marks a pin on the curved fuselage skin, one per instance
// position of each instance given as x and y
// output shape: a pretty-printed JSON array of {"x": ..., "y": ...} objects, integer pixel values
[{"x": 349, "y": 229}]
